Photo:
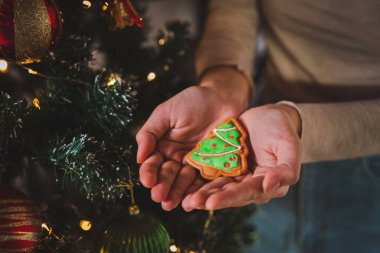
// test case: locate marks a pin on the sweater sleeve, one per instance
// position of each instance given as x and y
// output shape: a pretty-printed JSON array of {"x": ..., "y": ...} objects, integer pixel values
[
  {"x": 229, "y": 37},
  {"x": 335, "y": 131}
]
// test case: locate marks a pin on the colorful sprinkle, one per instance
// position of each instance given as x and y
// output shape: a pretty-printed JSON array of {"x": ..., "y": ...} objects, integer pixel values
[
  {"x": 233, "y": 158},
  {"x": 227, "y": 165},
  {"x": 203, "y": 158},
  {"x": 213, "y": 145},
  {"x": 226, "y": 145},
  {"x": 231, "y": 136}
]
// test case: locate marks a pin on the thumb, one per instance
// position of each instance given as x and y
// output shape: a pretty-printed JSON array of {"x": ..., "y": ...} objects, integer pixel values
[
  {"x": 154, "y": 128},
  {"x": 287, "y": 170}
]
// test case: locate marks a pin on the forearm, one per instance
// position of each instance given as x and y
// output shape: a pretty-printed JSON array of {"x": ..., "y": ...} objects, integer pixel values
[
  {"x": 333, "y": 131},
  {"x": 229, "y": 36}
]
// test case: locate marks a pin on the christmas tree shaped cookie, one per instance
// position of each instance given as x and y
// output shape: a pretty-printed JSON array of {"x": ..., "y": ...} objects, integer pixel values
[{"x": 222, "y": 152}]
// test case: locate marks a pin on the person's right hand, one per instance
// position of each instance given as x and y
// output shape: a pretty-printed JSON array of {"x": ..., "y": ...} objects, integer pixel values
[{"x": 178, "y": 124}]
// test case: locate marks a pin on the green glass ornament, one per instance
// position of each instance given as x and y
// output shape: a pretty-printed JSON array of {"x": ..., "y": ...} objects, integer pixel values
[{"x": 135, "y": 233}]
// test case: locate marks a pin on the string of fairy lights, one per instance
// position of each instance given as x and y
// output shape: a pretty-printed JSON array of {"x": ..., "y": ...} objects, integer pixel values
[{"x": 113, "y": 79}]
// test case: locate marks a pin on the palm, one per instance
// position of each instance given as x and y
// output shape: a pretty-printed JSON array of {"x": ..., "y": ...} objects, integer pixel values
[
  {"x": 181, "y": 123},
  {"x": 276, "y": 155}
]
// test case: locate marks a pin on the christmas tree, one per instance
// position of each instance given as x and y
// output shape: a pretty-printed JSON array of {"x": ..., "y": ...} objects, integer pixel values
[{"x": 70, "y": 105}]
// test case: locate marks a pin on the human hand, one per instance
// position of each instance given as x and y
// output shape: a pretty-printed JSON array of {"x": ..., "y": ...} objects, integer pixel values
[
  {"x": 177, "y": 125},
  {"x": 274, "y": 136}
]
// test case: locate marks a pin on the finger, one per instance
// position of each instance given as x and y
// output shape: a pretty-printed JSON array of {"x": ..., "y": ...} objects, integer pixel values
[
  {"x": 171, "y": 150},
  {"x": 197, "y": 184},
  {"x": 280, "y": 193},
  {"x": 149, "y": 169},
  {"x": 282, "y": 175},
  {"x": 197, "y": 199},
  {"x": 236, "y": 194},
  {"x": 184, "y": 180},
  {"x": 154, "y": 128},
  {"x": 166, "y": 177}
]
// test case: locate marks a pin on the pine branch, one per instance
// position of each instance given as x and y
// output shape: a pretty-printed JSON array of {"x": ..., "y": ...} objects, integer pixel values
[
  {"x": 94, "y": 167},
  {"x": 13, "y": 113},
  {"x": 109, "y": 108}
]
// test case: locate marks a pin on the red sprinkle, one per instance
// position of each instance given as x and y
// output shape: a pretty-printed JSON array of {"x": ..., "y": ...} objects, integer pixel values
[
  {"x": 226, "y": 145},
  {"x": 231, "y": 136},
  {"x": 203, "y": 158},
  {"x": 213, "y": 145},
  {"x": 227, "y": 165},
  {"x": 233, "y": 158}
]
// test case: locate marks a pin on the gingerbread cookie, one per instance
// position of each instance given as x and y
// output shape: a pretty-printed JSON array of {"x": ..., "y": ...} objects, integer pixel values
[{"x": 222, "y": 152}]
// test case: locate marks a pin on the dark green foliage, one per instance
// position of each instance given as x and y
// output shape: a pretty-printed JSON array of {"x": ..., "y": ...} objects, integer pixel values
[
  {"x": 85, "y": 162},
  {"x": 83, "y": 135},
  {"x": 13, "y": 112},
  {"x": 110, "y": 109}
]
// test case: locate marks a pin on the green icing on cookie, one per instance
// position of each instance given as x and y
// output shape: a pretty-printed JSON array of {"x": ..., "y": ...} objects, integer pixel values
[
  {"x": 217, "y": 150},
  {"x": 219, "y": 162}
]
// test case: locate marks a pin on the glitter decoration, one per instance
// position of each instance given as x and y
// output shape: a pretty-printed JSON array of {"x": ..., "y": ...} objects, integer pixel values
[
  {"x": 28, "y": 29},
  {"x": 20, "y": 224}
]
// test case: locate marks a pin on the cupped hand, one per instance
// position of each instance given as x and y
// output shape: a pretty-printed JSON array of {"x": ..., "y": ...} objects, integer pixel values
[
  {"x": 274, "y": 136},
  {"x": 178, "y": 124}
]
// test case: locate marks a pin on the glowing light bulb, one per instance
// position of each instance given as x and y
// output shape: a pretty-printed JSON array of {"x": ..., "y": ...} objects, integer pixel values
[
  {"x": 32, "y": 72},
  {"x": 173, "y": 248},
  {"x": 151, "y": 76},
  {"x": 161, "y": 42},
  {"x": 3, "y": 66},
  {"x": 105, "y": 6},
  {"x": 86, "y": 4},
  {"x": 36, "y": 103},
  {"x": 85, "y": 225}
]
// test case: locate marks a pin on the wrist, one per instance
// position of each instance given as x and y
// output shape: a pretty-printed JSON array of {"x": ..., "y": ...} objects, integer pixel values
[
  {"x": 229, "y": 84},
  {"x": 294, "y": 116}
]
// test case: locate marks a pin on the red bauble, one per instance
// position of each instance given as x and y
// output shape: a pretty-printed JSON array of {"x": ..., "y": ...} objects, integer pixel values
[
  {"x": 28, "y": 29},
  {"x": 20, "y": 224}
]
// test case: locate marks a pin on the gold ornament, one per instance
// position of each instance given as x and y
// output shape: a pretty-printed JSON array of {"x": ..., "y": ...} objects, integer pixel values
[
  {"x": 123, "y": 13},
  {"x": 28, "y": 29},
  {"x": 134, "y": 210}
]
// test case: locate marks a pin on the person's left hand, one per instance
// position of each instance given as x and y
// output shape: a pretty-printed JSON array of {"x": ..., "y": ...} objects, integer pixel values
[{"x": 274, "y": 135}]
